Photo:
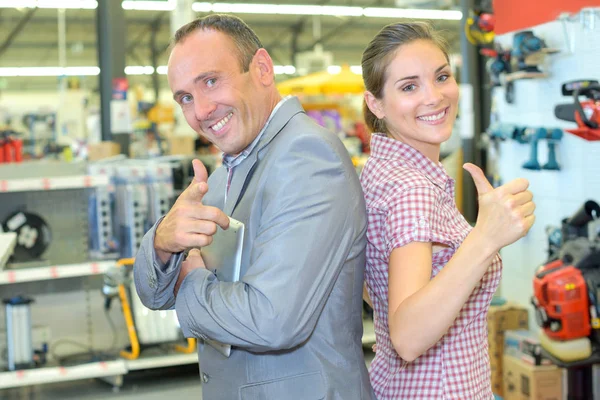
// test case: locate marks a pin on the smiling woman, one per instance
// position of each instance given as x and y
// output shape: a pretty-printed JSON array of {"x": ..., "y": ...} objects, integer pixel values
[{"x": 429, "y": 275}]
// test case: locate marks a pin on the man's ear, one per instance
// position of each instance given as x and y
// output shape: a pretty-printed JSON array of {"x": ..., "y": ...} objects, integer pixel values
[
  {"x": 263, "y": 64},
  {"x": 374, "y": 105}
]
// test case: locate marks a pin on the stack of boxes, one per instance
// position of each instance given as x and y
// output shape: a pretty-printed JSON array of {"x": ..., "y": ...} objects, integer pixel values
[{"x": 501, "y": 319}]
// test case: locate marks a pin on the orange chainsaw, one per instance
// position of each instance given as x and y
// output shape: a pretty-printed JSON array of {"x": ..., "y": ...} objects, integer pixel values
[{"x": 586, "y": 114}]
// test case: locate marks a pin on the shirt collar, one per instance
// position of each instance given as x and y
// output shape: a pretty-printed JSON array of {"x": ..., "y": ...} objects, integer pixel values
[
  {"x": 231, "y": 161},
  {"x": 387, "y": 148}
]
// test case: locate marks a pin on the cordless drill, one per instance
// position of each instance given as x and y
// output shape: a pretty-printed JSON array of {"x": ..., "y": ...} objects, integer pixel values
[{"x": 533, "y": 136}]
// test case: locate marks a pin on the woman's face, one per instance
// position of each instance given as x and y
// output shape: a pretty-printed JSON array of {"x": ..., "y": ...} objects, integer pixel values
[{"x": 420, "y": 97}]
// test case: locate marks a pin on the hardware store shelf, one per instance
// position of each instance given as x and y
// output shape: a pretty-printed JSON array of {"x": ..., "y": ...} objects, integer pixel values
[
  {"x": 54, "y": 183},
  {"x": 36, "y": 376},
  {"x": 54, "y": 272}
]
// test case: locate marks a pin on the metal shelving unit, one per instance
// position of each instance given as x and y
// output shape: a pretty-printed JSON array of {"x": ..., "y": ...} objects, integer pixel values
[
  {"x": 54, "y": 272},
  {"x": 38, "y": 376},
  {"x": 55, "y": 183}
]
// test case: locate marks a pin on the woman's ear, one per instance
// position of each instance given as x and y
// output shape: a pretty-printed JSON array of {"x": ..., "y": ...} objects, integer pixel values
[{"x": 374, "y": 105}]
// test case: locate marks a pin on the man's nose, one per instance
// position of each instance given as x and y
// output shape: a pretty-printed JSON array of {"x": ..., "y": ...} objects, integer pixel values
[{"x": 203, "y": 108}]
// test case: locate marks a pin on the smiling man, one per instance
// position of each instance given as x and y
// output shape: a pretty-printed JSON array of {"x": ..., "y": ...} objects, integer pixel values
[{"x": 294, "y": 319}]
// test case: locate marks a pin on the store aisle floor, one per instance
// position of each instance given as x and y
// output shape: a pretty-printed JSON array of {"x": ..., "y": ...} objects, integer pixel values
[{"x": 180, "y": 383}]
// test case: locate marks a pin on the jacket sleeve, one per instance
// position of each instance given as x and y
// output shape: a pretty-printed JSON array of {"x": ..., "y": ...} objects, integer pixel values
[
  {"x": 313, "y": 214},
  {"x": 154, "y": 282}
]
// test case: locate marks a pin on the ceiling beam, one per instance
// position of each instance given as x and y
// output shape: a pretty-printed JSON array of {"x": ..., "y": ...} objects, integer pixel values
[{"x": 16, "y": 30}]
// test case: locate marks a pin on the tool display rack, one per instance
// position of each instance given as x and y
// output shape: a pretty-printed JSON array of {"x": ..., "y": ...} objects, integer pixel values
[{"x": 59, "y": 193}]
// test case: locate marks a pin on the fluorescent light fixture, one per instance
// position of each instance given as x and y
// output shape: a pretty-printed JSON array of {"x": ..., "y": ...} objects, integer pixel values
[
  {"x": 336, "y": 69},
  {"x": 202, "y": 7},
  {"x": 65, "y": 4},
  {"x": 168, "y": 5},
  {"x": 139, "y": 70},
  {"x": 161, "y": 70},
  {"x": 284, "y": 69},
  {"x": 49, "y": 71},
  {"x": 18, "y": 3},
  {"x": 340, "y": 11},
  {"x": 82, "y": 71},
  {"x": 282, "y": 9},
  {"x": 412, "y": 13},
  {"x": 357, "y": 69}
]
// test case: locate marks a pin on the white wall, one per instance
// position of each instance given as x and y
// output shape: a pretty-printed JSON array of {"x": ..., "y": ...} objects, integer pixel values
[{"x": 557, "y": 194}]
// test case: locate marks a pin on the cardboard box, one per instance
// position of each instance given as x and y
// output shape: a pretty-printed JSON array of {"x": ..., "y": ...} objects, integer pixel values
[
  {"x": 501, "y": 319},
  {"x": 526, "y": 346},
  {"x": 98, "y": 151},
  {"x": 523, "y": 381}
]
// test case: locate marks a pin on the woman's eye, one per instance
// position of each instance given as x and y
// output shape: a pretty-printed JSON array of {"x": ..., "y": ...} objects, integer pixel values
[
  {"x": 443, "y": 78},
  {"x": 408, "y": 88}
]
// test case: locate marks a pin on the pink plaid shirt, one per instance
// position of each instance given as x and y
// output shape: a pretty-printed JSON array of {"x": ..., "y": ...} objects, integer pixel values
[{"x": 410, "y": 198}]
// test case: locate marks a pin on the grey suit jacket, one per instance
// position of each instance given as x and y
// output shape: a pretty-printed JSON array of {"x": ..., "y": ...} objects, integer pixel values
[{"x": 295, "y": 317}]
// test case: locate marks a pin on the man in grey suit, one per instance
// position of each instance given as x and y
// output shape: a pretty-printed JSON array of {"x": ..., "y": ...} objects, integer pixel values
[{"x": 294, "y": 318}]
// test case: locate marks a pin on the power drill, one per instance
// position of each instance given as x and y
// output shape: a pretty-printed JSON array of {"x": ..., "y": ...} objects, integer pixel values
[
  {"x": 526, "y": 43},
  {"x": 499, "y": 63},
  {"x": 533, "y": 136}
]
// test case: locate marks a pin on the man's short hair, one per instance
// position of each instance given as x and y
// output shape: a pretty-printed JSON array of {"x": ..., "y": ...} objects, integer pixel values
[{"x": 242, "y": 35}]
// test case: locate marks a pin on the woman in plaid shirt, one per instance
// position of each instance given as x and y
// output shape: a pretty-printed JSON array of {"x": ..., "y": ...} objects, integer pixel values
[{"x": 430, "y": 276}]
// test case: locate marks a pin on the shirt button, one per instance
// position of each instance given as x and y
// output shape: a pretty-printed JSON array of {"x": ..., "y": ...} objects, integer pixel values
[
  {"x": 205, "y": 377},
  {"x": 422, "y": 223}
]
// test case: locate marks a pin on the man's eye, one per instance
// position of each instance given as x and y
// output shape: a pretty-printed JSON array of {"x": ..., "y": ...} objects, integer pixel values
[
  {"x": 211, "y": 82},
  {"x": 185, "y": 99}
]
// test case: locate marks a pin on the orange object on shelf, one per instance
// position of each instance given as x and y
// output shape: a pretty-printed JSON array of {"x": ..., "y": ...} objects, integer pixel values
[{"x": 561, "y": 301}]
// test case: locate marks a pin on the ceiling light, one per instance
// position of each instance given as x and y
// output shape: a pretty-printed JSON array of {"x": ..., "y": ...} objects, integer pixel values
[
  {"x": 18, "y": 4},
  {"x": 139, "y": 70},
  {"x": 284, "y": 69},
  {"x": 357, "y": 69},
  {"x": 168, "y": 5},
  {"x": 412, "y": 13},
  {"x": 93, "y": 71},
  {"x": 61, "y": 4},
  {"x": 49, "y": 71},
  {"x": 340, "y": 11},
  {"x": 281, "y": 9}
]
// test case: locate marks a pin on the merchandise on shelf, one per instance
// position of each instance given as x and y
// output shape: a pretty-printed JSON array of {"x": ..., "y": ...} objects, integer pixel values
[{"x": 566, "y": 287}]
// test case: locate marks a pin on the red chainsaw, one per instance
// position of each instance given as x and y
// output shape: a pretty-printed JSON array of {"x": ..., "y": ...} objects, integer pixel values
[{"x": 586, "y": 114}]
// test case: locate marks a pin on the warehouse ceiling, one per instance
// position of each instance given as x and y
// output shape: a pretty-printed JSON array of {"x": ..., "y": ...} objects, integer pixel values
[{"x": 29, "y": 37}]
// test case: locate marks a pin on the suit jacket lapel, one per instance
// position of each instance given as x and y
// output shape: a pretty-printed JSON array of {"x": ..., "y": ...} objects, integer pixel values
[{"x": 242, "y": 172}]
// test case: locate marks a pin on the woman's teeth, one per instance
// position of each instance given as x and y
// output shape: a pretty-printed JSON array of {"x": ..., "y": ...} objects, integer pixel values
[
  {"x": 221, "y": 123},
  {"x": 432, "y": 118}
]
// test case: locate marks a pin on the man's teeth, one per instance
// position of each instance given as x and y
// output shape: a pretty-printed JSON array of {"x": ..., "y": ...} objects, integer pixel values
[
  {"x": 222, "y": 122},
  {"x": 431, "y": 118}
]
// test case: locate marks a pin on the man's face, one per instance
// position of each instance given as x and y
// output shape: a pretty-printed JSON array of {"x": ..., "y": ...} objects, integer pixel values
[{"x": 219, "y": 101}]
